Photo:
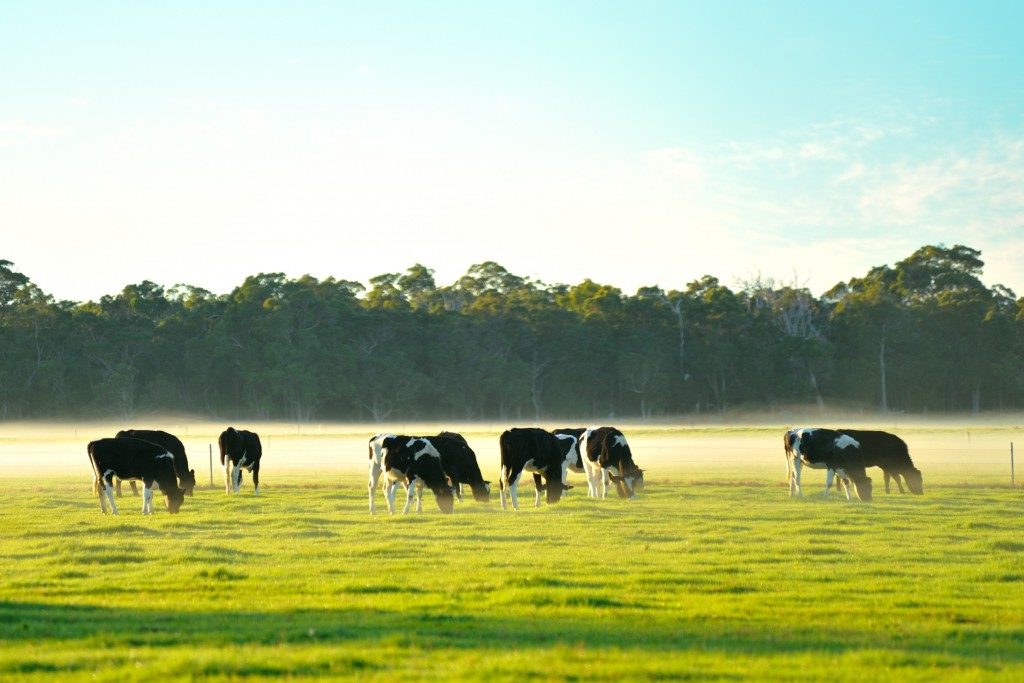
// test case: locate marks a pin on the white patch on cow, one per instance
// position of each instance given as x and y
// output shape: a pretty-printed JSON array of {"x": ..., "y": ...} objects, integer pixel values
[
  {"x": 427, "y": 449},
  {"x": 620, "y": 440},
  {"x": 845, "y": 441},
  {"x": 147, "y": 500}
]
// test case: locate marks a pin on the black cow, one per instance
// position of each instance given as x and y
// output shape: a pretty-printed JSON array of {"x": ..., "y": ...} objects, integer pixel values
[
  {"x": 460, "y": 465},
  {"x": 890, "y": 453},
  {"x": 537, "y": 451},
  {"x": 134, "y": 459},
  {"x": 414, "y": 462},
  {"x": 606, "y": 456},
  {"x": 240, "y": 449},
  {"x": 827, "y": 449},
  {"x": 173, "y": 445}
]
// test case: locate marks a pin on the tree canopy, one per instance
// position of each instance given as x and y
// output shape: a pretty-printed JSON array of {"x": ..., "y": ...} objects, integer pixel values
[{"x": 923, "y": 335}]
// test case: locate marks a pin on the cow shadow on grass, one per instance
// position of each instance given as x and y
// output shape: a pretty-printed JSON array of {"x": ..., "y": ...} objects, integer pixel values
[{"x": 117, "y": 627}]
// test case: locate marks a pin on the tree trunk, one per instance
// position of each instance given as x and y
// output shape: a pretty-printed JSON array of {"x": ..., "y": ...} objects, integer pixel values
[
  {"x": 881, "y": 366},
  {"x": 817, "y": 393}
]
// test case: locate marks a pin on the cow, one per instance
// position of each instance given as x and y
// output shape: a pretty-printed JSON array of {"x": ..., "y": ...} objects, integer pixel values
[
  {"x": 890, "y": 453},
  {"x": 134, "y": 460},
  {"x": 539, "y": 452},
  {"x": 606, "y": 456},
  {"x": 830, "y": 450},
  {"x": 173, "y": 445},
  {"x": 460, "y": 465},
  {"x": 414, "y": 462},
  {"x": 240, "y": 449}
]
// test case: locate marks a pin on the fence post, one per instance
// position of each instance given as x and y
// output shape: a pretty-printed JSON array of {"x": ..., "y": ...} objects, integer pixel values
[
  {"x": 211, "y": 464},
  {"x": 1013, "y": 480}
]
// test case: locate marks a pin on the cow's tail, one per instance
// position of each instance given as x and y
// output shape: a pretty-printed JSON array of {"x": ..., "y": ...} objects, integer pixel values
[
  {"x": 220, "y": 447},
  {"x": 503, "y": 446},
  {"x": 90, "y": 449}
]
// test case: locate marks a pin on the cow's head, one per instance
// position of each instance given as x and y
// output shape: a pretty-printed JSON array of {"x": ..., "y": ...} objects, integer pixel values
[
  {"x": 629, "y": 483},
  {"x": 862, "y": 484},
  {"x": 445, "y": 499},
  {"x": 174, "y": 497},
  {"x": 554, "y": 490},
  {"x": 188, "y": 481},
  {"x": 482, "y": 491},
  {"x": 914, "y": 481}
]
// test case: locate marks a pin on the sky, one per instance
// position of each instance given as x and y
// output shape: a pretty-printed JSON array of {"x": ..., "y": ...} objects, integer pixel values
[{"x": 632, "y": 143}]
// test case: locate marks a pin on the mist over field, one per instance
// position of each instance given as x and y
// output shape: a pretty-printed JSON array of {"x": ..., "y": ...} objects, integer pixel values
[{"x": 737, "y": 447}]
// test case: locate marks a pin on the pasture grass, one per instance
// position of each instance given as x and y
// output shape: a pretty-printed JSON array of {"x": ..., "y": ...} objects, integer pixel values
[{"x": 712, "y": 579}]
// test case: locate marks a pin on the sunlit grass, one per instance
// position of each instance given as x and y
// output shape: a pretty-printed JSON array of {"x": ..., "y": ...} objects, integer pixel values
[{"x": 694, "y": 580}]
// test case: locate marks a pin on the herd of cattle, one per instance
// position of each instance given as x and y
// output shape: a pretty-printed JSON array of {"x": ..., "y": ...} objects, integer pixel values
[{"x": 445, "y": 463}]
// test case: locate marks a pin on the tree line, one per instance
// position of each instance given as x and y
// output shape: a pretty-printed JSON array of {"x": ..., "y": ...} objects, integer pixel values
[{"x": 923, "y": 335}]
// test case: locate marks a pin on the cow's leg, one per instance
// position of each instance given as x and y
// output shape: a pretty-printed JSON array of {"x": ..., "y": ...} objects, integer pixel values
[
  {"x": 419, "y": 496},
  {"x": 374, "y": 476},
  {"x": 604, "y": 482},
  {"x": 540, "y": 487},
  {"x": 135, "y": 490},
  {"x": 390, "y": 488},
  {"x": 117, "y": 485},
  {"x": 798, "y": 467},
  {"x": 236, "y": 477},
  {"x": 830, "y": 474},
  {"x": 592, "y": 476},
  {"x": 227, "y": 475},
  {"x": 502, "y": 485},
  {"x": 147, "y": 500},
  {"x": 898, "y": 484},
  {"x": 108, "y": 489},
  {"x": 408, "y": 497},
  {"x": 790, "y": 475},
  {"x": 101, "y": 491},
  {"x": 513, "y": 489},
  {"x": 256, "y": 478},
  {"x": 847, "y": 485}
]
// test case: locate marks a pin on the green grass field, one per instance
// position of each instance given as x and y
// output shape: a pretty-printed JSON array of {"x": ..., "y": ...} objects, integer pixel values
[{"x": 705, "y": 577}]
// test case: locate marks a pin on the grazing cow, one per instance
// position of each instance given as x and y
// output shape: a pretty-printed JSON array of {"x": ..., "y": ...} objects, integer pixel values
[
  {"x": 414, "y": 462},
  {"x": 890, "y": 453},
  {"x": 240, "y": 449},
  {"x": 606, "y": 456},
  {"x": 460, "y": 465},
  {"x": 134, "y": 459},
  {"x": 173, "y": 445},
  {"x": 829, "y": 450},
  {"x": 537, "y": 451}
]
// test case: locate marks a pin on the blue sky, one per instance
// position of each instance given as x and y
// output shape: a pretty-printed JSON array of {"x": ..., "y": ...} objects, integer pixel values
[{"x": 632, "y": 143}]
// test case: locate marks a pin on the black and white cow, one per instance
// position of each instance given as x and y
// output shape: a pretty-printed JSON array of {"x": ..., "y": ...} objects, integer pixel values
[
  {"x": 415, "y": 463},
  {"x": 826, "y": 449},
  {"x": 890, "y": 453},
  {"x": 134, "y": 460},
  {"x": 606, "y": 456},
  {"x": 173, "y": 445},
  {"x": 539, "y": 452},
  {"x": 460, "y": 465},
  {"x": 240, "y": 449}
]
